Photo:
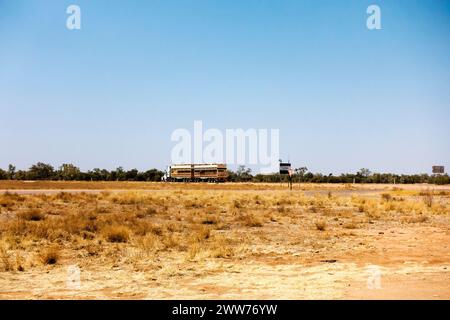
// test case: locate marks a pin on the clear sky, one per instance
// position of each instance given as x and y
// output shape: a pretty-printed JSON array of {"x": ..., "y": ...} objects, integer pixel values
[{"x": 108, "y": 95}]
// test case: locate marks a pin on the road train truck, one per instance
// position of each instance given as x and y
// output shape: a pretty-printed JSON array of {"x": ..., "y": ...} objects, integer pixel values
[{"x": 196, "y": 173}]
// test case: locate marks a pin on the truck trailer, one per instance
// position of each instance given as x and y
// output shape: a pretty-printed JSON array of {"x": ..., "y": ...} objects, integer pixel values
[{"x": 196, "y": 173}]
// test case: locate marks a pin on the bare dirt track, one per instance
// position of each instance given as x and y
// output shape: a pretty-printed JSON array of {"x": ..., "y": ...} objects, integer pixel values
[
  {"x": 140, "y": 186},
  {"x": 316, "y": 242}
]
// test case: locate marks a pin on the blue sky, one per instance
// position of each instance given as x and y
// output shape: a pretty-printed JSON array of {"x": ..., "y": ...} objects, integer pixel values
[{"x": 110, "y": 94}]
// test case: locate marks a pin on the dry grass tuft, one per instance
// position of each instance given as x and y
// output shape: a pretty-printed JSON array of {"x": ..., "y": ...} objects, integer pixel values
[
  {"x": 221, "y": 249},
  {"x": 169, "y": 242},
  {"x": 417, "y": 219},
  {"x": 350, "y": 225},
  {"x": 202, "y": 234},
  {"x": 250, "y": 220},
  {"x": 32, "y": 215},
  {"x": 148, "y": 243},
  {"x": 210, "y": 219},
  {"x": 7, "y": 264},
  {"x": 193, "y": 251},
  {"x": 428, "y": 198},
  {"x": 116, "y": 233},
  {"x": 50, "y": 255},
  {"x": 321, "y": 225}
]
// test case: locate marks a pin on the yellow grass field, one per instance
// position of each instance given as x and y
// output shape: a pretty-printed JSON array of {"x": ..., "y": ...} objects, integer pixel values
[{"x": 223, "y": 241}]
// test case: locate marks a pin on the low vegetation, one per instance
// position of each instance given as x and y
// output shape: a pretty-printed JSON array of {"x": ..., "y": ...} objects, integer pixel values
[
  {"x": 70, "y": 172},
  {"x": 140, "y": 228}
]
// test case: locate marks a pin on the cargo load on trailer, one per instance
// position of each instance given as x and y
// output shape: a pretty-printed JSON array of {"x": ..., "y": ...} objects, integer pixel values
[{"x": 196, "y": 173}]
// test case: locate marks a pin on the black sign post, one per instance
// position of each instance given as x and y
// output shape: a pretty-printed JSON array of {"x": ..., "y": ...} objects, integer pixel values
[
  {"x": 285, "y": 169},
  {"x": 438, "y": 169}
]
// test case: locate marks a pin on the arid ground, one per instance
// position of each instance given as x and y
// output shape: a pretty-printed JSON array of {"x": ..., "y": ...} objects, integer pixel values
[{"x": 223, "y": 241}]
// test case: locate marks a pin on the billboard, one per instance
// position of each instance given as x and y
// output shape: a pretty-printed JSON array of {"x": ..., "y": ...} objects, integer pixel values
[
  {"x": 438, "y": 169},
  {"x": 285, "y": 168}
]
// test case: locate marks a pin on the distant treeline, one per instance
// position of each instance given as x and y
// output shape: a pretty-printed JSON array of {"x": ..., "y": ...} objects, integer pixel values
[
  {"x": 362, "y": 176},
  {"x": 69, "y": 172}
]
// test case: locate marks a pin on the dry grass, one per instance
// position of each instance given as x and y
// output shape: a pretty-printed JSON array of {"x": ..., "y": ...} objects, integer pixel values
[
  {"x": 386, "y": 196},
  {"x": 5, "y": 259},
  {"x": 31, "y": 215},
  {"x": 428, "y": 197},
  {"x": 116, "y": 233},
  {"x": 50, "y": 255},
  {"x": 251, "y": 220},
  {"x": 198, "y": 223},
  {"x": 321, "y": 225}
]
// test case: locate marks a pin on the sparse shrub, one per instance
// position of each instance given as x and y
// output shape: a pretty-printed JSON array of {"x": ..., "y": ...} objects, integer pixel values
[
  {"x": 32, "y": 215},
  {"x": 157, "y": 230},
  {"x": 50, "y": 255},
  {"x": 150, "y": 211},
  {"x": 221, "y": 249},
  {"x": 194, "y": 249},
  {"x": 140, "y": 215},
  {"x": 10, "y": 261},
  {"x": 101, "y": 210},
  {"x": 148, "y": 243},
  {"x": 13, "y": 196},
  {"x": 202, "y": 234},
  {"x": 116, "y": 233},
  {"x": 87, "y": 235},
  {"x": 173, "y": 227},
  {"x": 223, "y": 252},
  {"x": 192, "y": 204},
  {"x": 313, "y": 209},
  {"x": 5, "y": 258},
  {"x": 169, "y": 242},
  {"x": 417, "y": 219},
  {"x": 250, "y": 220},
  {"x": 6, "y": 203},
  {"x": 143, "y": 227},
  {"x": 92, "y": 249},
  {"x": 428, "y": 198},
  {"x": 350, "y": 225},
  {"x": 386, "y": 197},
  {"x": 321, "y": 225},
  {"x": 20, "y": 263},
  {"x": 210, "y": 219},
  {"x": 373, "y": 214},
  {"x": 78, "y": 223}
]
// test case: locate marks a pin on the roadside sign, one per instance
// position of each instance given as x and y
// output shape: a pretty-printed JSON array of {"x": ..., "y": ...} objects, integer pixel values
[
  {"x": 285, "y": 167},
  {"x": 438, "y": 169}
]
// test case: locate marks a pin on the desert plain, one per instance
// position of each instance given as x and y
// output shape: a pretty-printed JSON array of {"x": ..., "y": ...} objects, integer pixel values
[{"x": 137, "y": 240}]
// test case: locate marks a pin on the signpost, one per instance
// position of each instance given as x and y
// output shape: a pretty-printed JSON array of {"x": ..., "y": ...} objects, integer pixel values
[
  {"x": 285, "y": 169},
  {"x": 438, "y": 169}
]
